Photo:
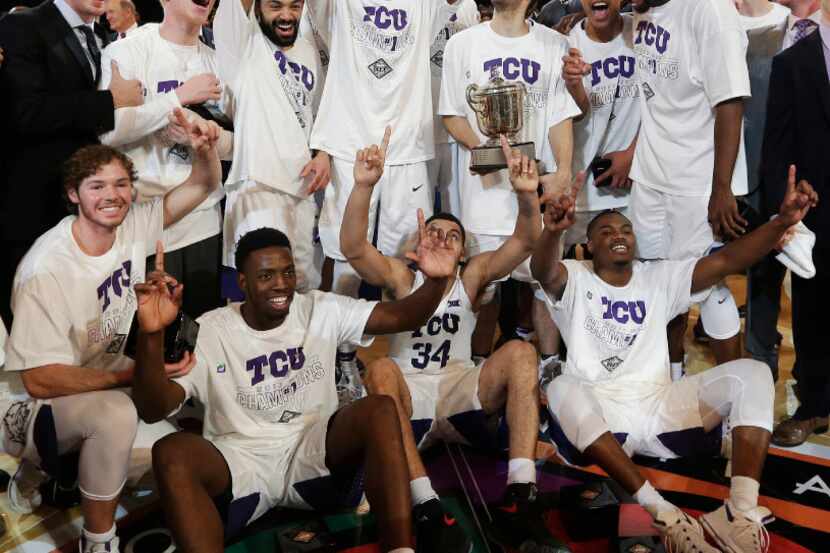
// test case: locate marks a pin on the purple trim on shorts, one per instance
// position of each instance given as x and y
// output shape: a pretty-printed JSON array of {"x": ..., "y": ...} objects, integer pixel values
[{"x": 693, "y": 442}]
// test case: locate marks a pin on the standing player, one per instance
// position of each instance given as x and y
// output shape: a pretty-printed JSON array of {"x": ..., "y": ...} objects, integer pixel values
[
  {"x": 274, "y": 80},
  {"x": 443, "y": 170},
  {"x": 691, "y": 63},
  {"x": 176, "y": 69},
  {"x": 378, "y": 75},
  {"x": 615, "y": 397},
  {"x": 515, "y": 49},
  {"x": 74, "y": 303},
  {"x": 600, "y": 75},
  {"x": 273, "y": 435},
  {"x": 438, "y": 391}
]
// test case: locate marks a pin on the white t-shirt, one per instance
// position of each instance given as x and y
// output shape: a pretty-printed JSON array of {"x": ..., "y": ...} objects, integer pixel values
[
  {"x": 488, "y": 203},
  {"x": 446, "y": 336},
  {"x": 691, "y": 56},
  {"x": 777, "y": 16},
  {"x": 616, "y": 337},
  {"x": 161, "y": 67},
  {"x": 614, "y": 117},
  {"x": 274, "y": 92},
  {"x": 321, "y": 42},
  {"x": 378, "y": 75},
  {"x": 74, "y": 309},
  {"x": 265, "y": 385},
  {"x": 467, "y": 16}
]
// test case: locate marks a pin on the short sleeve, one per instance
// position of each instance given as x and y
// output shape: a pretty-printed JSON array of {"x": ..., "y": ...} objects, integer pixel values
[
  {"x": 453, "y": 98},
  {"x": 566, "y": 303},
  {"x": 194, "y": 383},
  {"x": 723, "y": 44},
  {"x": 561, "y": 105},
  {"x": 677, "y": 282},
  {"x": 232, "y": 29},
  {"x": 148, "y": 217},
  {"x": 349, "y": 317},
  {"x": 39, "y": 335}
]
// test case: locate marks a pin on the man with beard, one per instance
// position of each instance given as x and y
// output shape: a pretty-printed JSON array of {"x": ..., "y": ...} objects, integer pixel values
[
  {"x": 689, "y": 163},
  {"x": 176, "y": 70},
  {"x": 615, "y": 397},
  {"x": 274, "y": 79},
  {"x": 379, "y": 75},
  {"x": 74, "y": 303}
]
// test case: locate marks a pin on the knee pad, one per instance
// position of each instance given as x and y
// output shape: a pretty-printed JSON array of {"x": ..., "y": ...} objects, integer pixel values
[
  {"x": 746, "y": 387},
  {"x": 719, "y": 313}
]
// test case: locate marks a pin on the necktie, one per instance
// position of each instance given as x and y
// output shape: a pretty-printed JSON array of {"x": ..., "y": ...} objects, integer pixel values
[
  {"x": 92, "y": 48},
  {"x": 803, "y": 27}
]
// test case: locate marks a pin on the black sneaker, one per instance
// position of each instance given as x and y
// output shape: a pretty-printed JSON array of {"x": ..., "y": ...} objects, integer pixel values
[
  {"x": 518, "y": 523},
  {"x": 438, "y": 531}
]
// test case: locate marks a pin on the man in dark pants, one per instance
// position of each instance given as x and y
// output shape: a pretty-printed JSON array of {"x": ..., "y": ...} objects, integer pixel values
[
  {"x": 798, "y": 130},
  {"x": 50, "y": 108}
]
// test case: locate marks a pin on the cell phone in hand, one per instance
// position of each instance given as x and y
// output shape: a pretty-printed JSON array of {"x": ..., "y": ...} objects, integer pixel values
[{"x": 598, "y": 166}]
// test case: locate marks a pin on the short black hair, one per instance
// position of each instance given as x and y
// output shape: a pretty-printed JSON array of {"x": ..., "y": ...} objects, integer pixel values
[
  {"x": 603, "y": 213},
  {"x": 451, "y": 218},
  {"x": 257, "y": 240}
]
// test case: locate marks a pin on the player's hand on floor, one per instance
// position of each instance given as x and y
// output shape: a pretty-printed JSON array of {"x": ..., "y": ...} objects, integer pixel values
[
  {"x": 798, "y": 199},
  {"x": 159, "y": 298},
  {"x": 434, "y": 256},
  {"x": 369, "y": 162},
  {"x": 319, "y": 169}
]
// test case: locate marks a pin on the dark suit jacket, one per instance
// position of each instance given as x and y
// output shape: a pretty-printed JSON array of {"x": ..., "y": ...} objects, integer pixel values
[
  {"x": 798, "y": 131},
  {"x": 50, "y": 108}
]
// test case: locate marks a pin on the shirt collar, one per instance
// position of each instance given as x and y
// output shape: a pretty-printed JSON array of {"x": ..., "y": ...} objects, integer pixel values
[
  {"x": 824, "y": 29},
  {"x": 71, "y": 15},
  {"x": 792, "y": 20}
]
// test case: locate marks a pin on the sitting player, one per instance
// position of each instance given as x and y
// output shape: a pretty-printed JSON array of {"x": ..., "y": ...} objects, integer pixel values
[
  {"x": 615, "y": 397},
  {"x": 429, "y": 372},
  {"x": 73, "y": 305},
  {"x": 265, "y": 373}
]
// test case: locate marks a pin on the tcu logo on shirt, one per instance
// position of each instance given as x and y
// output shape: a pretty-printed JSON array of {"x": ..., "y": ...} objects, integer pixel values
[
  {"x": 611, "y": 68},
  {"x": 118, "y": 282},
  {"x": 167, "y": 86},
  {"x": 383, "y": 18},
  {"x": 514, "y": 68},
  {"x": 624, "y": 311},
  {"x": 448, "y": 322},
  {"x": 653, "y": 35},
  {"x": 301, "y": 73},
  {"x": 279, "y": 362}
]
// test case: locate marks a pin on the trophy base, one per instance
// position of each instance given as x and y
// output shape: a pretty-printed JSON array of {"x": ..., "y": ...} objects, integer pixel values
[{"x": 491, "y": 158}]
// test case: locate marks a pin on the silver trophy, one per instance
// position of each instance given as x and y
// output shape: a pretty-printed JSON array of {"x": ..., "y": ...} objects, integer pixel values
[{"x": 499, "y": 108}]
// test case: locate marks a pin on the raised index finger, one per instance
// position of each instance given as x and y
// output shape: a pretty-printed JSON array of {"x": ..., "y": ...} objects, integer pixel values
[
  {"x": 159, "y": 256},
  {"x": 791, "y": 180},
  {"x": 387, "y": 134}
]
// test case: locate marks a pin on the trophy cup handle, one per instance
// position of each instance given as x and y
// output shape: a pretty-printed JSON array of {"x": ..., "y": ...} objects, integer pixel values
[{"x": 471, "y": 100}]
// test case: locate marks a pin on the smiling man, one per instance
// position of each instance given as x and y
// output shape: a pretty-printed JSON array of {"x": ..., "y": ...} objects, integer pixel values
[
  {"x": 73, "y": 303},
  {"x": 275, "y": 81},
  {"x": 273, "y": 434},
  {"x": 615, "y": 397}
]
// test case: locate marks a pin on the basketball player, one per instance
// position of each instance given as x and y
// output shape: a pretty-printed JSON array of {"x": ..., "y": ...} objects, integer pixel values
[
  {"x": 689, "y": 163},
  {"x": 443, "y": 170},
  {"x": 73, "y": 303},
  {"x": 517, "y": 50},
  {"x": 274, "y": 79},
  {"x": 273, "y": 433},
  {"x": 615, "y": 397},
  {"x": 429, "y": 372},
  {"x": 176, "y": 69},
  {"x": 378, "y": 75}
]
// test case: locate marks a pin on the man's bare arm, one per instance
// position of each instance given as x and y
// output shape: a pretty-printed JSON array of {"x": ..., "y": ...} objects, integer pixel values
[{"x": 57, "y": 380}]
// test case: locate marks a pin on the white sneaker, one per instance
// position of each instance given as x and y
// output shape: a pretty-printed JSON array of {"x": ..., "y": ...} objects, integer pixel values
[
  {"x": 681, "y": 533},
  {"x": 739, "y": 532},
  {"x": 349, "y": 386},
  {"x": 24, "y": 495},
  {"x": 86, "y": 546}
]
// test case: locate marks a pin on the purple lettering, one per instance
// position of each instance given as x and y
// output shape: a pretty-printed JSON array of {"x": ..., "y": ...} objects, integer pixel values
[
  {"x": 279, "y": 364},
  {"x": 256, "y": 365}
]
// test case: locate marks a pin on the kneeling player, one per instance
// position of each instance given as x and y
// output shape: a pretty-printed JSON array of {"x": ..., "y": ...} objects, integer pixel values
[
  {"x": 265, "y": 374},
  {"x": 615, "y": 397},
  {"x": 430, "y": 374}
]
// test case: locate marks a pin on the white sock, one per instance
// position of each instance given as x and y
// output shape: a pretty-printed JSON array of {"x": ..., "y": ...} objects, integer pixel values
[
  {"x": 525, "y": 334},
  {"x": 521, "y": 471},
  {"x": 651, "y": 500},
  {"x": 92, "y": 538},
  {"x": 677, "y": 371},
  {"x": 547, "y": 360},
  {"x": 403, "y": 550},
  {"x": 421, "y": 489},
  {"x": 743, "y": 493}
]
